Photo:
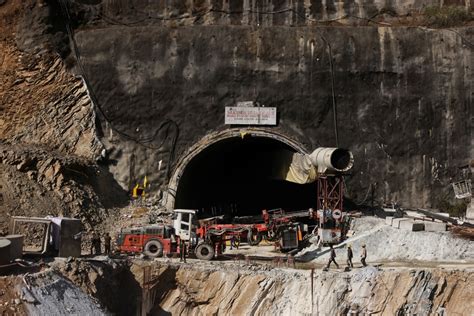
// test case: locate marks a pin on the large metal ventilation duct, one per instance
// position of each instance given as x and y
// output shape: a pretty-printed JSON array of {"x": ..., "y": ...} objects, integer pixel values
[{"x": 330, "y": 160}]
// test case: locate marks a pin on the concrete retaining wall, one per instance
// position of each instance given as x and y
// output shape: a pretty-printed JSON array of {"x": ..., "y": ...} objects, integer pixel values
[
  {"x": 396, "y": 222},
  {"x": 411, "y": 225},
  {"x": 435, "y": 226}
]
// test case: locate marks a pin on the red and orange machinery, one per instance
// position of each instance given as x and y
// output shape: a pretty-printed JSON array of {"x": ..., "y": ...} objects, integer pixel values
[
  {"x": 284, "y": 228},
  {"x": 158, "y": 240},
  {"x": 331, "y": 223},
  {"x": 153, "y": 240},
  {"x": 211, "y": 237}
]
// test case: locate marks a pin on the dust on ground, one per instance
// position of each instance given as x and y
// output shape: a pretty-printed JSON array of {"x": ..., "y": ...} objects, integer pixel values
[{"x": 385, "y": 243}]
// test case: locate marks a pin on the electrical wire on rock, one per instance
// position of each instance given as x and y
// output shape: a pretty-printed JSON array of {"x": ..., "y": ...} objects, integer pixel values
[{"x": 144, "y": 142}]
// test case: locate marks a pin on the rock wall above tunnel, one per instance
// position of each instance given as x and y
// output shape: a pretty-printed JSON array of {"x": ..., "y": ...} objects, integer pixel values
[
  {"x": 404, "y": 96},
  {"x": 251, "y": 12}
]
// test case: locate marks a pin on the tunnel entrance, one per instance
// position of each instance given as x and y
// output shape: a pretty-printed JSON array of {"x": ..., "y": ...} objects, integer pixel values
[{"x": 241, "y": 176}]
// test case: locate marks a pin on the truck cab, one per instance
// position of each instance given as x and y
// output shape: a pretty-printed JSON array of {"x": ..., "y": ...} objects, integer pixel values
[{"x": 184, "y": 224}]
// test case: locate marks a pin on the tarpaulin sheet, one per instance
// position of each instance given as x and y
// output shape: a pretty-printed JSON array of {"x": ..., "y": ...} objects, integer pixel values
[
  {"x": 301, "y": 170},
  {"x": 294, "y": 167}
]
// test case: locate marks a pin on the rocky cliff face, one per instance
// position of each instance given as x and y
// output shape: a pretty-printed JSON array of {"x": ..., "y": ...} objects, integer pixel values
[
  {"x": 166, "y": 71},
  {"x": 48, "y": 140},
  {"x": 36, "y": 182},
  {"x": 202, "y": 291},
  {"x": 242, "y": 289},
  {"x": 160, "y": 75},
  {"x": 43, "y": 104}
]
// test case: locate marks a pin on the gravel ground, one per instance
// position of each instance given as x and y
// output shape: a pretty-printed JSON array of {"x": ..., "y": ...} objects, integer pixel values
[{"x": 385, "y": 243}]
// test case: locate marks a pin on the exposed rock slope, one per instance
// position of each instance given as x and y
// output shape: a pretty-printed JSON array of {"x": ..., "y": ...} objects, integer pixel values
[
  {"x": 37, "y": 182},
  {"x": 198, "y": 291},
  {"x": 48, "y": 141}
]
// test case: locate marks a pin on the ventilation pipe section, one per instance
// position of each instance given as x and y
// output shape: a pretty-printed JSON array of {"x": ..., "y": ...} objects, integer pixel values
[
  {"x": 322, "y": 161},
  {"x": 331, "y": 160}
]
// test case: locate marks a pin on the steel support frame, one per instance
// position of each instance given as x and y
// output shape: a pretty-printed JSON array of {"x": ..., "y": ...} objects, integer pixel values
[{"x": 330, "y": 193}]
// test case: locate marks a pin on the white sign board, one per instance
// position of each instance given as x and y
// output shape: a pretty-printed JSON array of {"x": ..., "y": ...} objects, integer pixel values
[
  {"x": 245, "y": 104},
  {"x": 250, "y": 115}
]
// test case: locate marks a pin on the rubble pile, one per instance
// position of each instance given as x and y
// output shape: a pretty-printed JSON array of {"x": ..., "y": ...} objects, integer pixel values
[
  {"x": 36, "y": 182},
  {"x": 10, "y": 302}
]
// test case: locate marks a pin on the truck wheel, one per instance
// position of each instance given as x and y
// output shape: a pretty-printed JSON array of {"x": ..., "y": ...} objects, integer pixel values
[
  {"x": 205, "y": 251},
  {"x": 253, "y": 239},
  {"x": 153, "y": 248}
]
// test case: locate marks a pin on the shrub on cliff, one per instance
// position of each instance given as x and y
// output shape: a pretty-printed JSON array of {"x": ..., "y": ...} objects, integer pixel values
[{"x": 447, "y": 16}]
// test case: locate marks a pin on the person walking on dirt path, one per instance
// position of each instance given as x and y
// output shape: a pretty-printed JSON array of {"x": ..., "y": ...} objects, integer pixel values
[
  {"x": 182, "y": 251},
  {"x": 350, "y": 255},
  {"x": 363, "y": 255},
  {"x": 95, "y": 244},
  {"x": 332, "y": 258},
  {"x": 107, "y": 241}
]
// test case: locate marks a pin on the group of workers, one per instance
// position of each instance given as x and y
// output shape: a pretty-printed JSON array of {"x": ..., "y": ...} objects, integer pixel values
[
  {"x": 350, "y": 255},
  {"x": 96, "y": 244}
]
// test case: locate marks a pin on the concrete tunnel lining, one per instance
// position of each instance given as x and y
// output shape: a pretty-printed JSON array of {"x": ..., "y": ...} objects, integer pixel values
[{"x": 225, "y": 140}]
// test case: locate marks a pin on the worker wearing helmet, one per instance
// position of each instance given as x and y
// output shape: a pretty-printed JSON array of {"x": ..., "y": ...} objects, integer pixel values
[
  {"x": 332, "y": 258},
  {"x": 349, "y": 256}
]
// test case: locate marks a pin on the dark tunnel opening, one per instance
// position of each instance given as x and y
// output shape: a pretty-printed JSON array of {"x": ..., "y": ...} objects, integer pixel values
[{"x": 240, "y": 177}]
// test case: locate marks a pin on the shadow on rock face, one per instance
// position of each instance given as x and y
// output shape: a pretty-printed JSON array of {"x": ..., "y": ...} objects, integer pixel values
[
  {"x": 120, "y": 297},
  {"x": 110, "y": 193},
  {"x": 168, "y": 283},
  {"x": 105, "y": 187}
]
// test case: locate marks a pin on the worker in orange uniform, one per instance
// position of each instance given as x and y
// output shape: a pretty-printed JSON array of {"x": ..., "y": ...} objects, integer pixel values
[{"x": 363, "y": 256}]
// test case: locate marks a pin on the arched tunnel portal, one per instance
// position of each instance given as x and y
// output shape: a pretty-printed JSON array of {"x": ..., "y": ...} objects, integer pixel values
[{"x": 239, "y": 173}]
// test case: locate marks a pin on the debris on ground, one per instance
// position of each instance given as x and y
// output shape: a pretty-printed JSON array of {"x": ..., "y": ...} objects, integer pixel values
[
  {"x": 463, "y": 232},
  {"x": 386, "y": 243},
  {"x": 10, "y": 303}
]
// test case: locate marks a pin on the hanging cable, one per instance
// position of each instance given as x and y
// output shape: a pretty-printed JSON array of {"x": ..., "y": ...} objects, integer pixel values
[
  {"x": 333, "y": 93},
  {"x": 144, "y": 141}
]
